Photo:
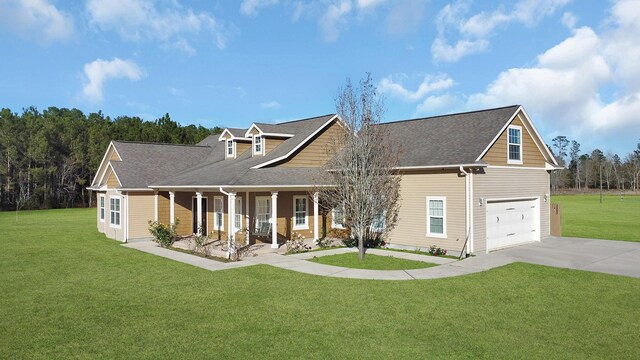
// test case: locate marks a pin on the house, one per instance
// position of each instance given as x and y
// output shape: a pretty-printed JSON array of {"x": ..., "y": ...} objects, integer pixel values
[{"x": 471, "y": 182}]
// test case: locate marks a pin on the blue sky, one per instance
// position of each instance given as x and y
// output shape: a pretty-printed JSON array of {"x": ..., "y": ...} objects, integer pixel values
[{"x": 572, "y": 64}]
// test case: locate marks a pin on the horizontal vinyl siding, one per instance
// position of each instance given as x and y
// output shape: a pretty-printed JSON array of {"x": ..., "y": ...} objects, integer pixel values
[
  {"x": 316, "y": 152},
  {"x": 241, "y": 147},
  {"x": 271, "y": 143},
  {"x": 411, "y": 228},
  {"x": 531, "y": 155},
  {"x": 112, "y": 232},
  {"x": 508, "y": 183},
  {"x": 141, "y": 210},
  {"x": 101, "y": 224},
  {"x": 112, "y": 181}
]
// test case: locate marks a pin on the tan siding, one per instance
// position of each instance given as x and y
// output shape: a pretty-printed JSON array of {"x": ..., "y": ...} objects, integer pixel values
[
  {"x": 109, "y": 231},
  {"x": 114, "y": 156},
  {"x": 241, "y": 147},
  {"x": 317, "y": 151},
  {"x": 271, "y": 143},
  {"x": 141, "y": 210},
  {"x": 508, "y": 183},
  {"x": 411, "y": 229},
  {"x": 531, "y": 155},
  {"x": 163, "y": 207},
  {"x": 112, "y": 181}
]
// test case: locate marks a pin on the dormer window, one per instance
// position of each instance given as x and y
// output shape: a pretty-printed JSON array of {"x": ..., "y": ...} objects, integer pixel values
[
  {"x": 257, "y": 145},
  {"x": 514, "y": 145},
  {"x": 230, "y": 148}
]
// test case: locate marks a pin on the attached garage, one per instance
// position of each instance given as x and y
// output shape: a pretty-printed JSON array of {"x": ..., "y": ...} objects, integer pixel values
[{"x": 512, "y": 222}]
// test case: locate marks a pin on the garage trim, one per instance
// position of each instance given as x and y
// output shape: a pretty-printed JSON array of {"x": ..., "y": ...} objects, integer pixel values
[{"x": 537, "y": 219}]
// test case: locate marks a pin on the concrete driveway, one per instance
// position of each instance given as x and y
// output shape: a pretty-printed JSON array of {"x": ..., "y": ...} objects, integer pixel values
[{"x": 607, "y": 256}]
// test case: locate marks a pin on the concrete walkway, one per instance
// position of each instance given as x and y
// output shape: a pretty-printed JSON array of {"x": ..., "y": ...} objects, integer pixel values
[{"x": 614, "y": 257}]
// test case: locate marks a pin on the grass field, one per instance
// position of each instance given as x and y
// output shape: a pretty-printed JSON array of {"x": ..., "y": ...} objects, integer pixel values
[
  {"x": 371, "y": 262},
  {"x": 583, "y": 216},
  {"x": 68, "y": 292}
]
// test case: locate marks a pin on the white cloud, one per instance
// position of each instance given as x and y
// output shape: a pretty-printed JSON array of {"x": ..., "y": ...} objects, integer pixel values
[
  {"x": 270, "y": 105},
  {"x": 140, "y": 20},
  {"x": 100, "y": 71},
  {"x": 36, "y": 18},
  {"x": 364, "y": 4},
  {"x": 429, "y": 84},
  {"x": 251, "y": 7},
  {"x": 436, "y": 103},
  {"x": 473, "y": 31},
  {"x": 334, "y": 20},
  {"x": 569, "y": 20}
]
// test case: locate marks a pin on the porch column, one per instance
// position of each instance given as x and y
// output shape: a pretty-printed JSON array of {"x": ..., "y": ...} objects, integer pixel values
[
  {"x": 231, "y": 206},
  {"x": 246, "y": 215},
  {"x": 199, "y": 212},
  {"x": 316, "y": 197},
  {"x": 274, "y": 219},
  {"x": 172, "y": 207},
  {"x": 155, "y": 196}
]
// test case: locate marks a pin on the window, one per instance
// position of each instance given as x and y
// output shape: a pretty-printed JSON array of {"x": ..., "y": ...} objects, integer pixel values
[
  {"x": 257, "y": 145},
  {"x": 102, "y": 208},
  {"x": 218, "y": 224},
  {"x": 337, "y": 217},
  {"x": 378, "y": 222},
  {"x": 263, "y": 211},
  {"x": 437, "y": 217},
  {"x": 230, "y": 148},
  {"x": 514, "y": 145},
  {"x": 114, "y": 211},
  {"x": 238, "y": 219},
  {"x": 300, "y": 212}
]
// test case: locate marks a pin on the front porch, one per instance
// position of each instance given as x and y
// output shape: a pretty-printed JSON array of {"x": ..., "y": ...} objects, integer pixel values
[{"x": 254, "y": 216}]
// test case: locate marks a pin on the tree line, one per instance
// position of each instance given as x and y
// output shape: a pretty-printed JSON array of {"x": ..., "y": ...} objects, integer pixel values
[
  {"x": 595, "y": 169},
  {"x": 48, "y": 158}
]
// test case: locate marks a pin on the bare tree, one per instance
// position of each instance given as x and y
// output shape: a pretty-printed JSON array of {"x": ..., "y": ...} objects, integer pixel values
[
  {"x": 23, "y": 195},
  {"x": 363, "y": 171}
]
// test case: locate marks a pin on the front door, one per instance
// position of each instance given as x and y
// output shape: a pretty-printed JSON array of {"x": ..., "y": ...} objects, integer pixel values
[{"x": 194, "y": 212}]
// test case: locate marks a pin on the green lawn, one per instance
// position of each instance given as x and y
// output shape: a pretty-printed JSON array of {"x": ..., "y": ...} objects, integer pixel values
[
  {"x": 371, "y": 262},
  {"x": 583, "y": 216},
  {"x": 68, "y": 292}
]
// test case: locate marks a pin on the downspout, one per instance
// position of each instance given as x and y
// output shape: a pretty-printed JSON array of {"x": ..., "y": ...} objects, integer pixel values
[{"x": 467, "y": 176}]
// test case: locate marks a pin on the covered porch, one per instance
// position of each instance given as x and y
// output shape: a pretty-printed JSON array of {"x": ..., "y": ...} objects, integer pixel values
[{"x": 247, "y": 215}]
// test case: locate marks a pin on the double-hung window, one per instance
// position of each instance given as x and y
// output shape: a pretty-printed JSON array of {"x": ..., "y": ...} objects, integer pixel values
[
  {"x": 257, "y": 145},
  {"x": 238, "y": 219},
  {"x": 102, "y": 209},
  {"x": 437, "y": 217},
  {"x": 114, "y": 211},
  {"x": 218, "y": 224},
  {"x": 300, "y": 212},
  {"x": 263, "y": 211},
  {"x": 378, "y": 222},
  {"x": 337, "y": 217},
  {"x": 514, "y": 145},
  {"x": 230, "y": 148}
]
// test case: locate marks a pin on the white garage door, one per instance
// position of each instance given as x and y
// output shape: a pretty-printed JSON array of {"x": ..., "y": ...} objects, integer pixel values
[{"x": 512, "y": 223}]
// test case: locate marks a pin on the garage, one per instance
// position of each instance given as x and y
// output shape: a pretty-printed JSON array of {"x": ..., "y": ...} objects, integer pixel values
[{"x": 512, "y": 222}]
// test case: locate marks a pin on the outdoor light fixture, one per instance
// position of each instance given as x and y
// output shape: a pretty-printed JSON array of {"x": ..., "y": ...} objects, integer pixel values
[
  {"x": 481, "y": 202},
  {"x": 546, "y": 197}
]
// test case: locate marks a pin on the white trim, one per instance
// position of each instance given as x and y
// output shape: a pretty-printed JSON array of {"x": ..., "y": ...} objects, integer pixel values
[
  {"x": 260, "y": 198},
  {"x": 205, "y": 210},
  {"x": 109, "y": 166},
  {"x": 216, "y": 226},
  {"x": 316, "y": 220},
  {"x": 246, "y": 217},
  {"x": 304, "y": 226},
  {"x": 515, "y": 167},
  {"x": 274, "y": 219},
  {"x": 126, "y": 217},
  {"x": 515, "y": 113},
  {"x": 334, "y": 225},
  {"x": 277, "y": 135},
  {"x": 520, "y": 198},
  {"x": 104, "y": 157},
  {"x": 102, "y": 205},
  {"x": 303, "y": 142},
  {"x": 535, "y": 131},
  {"x": 253, "y": 145},
  {"x": 454, "y": 166},
  {"x": 226, "y": 149},
  {"x": 444, "y": 217},
  {"x": 520, "y": 145},
  {"x": 238, "y": 199},
  {"x": 155, "y": 213},
  {"x": 235, "y": 186},
  {"x": 119, "y": 212},
  {"x": 247, "y": 134}
]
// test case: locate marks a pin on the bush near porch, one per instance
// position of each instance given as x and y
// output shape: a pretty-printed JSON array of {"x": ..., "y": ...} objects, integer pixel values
[{"x": 70, "y": 292}]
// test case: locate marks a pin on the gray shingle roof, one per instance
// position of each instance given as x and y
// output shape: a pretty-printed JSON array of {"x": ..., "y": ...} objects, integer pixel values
[
  {"x": 448, "y": 139},
  {"x": 144, "y": 163},
  {"x": 433, "y": 141}
]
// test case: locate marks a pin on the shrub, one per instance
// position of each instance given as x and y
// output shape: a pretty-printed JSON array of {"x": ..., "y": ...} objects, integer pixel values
[
  {"x": 296, "y": 245},
  {"x": 324, "y": 242},
  {"x": 201, "y": 242},
  {"x": 164, "y": 235},
  {"x": 436, "y": 251},
  {"x": 374, "y": 242}
]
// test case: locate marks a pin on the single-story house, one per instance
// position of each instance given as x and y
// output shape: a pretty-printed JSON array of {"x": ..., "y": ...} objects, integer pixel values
[{"x": 479, "y": 177}]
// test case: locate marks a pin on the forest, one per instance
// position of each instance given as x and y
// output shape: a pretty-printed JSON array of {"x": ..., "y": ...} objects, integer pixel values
[{"x": 48, "y": 158}]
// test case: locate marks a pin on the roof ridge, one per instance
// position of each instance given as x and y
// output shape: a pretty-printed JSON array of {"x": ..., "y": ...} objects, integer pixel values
[
  {"x": 453, "y": 114},
  {"x": 158, "y": 143},
  {"x": 305, "y": 119}
]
